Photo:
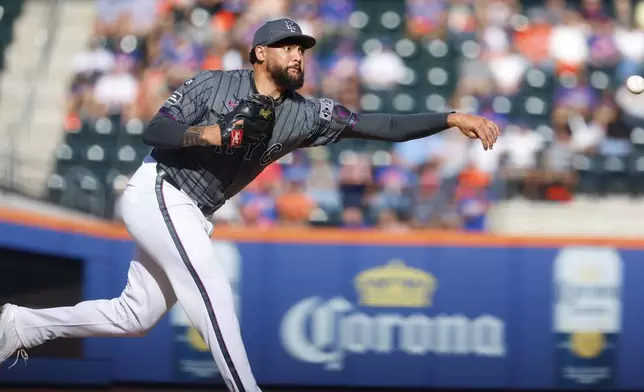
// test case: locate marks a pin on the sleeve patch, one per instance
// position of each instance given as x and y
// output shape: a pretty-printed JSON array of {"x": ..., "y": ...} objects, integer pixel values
[
  {"x": 326, "y": 109},
  {"x": 174, "y": 98}
]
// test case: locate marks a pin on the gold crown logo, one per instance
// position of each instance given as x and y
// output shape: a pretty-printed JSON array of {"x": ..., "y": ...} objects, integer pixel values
[
  {"x": 395, "y": 285},
  {"x": 195, "y": 340},
  {"x": 587, "y": 344},
  {"x": 266, "y": 113}
]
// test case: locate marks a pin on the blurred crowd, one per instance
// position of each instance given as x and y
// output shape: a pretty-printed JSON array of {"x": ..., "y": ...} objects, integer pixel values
[{"x": 572, "y": 56}]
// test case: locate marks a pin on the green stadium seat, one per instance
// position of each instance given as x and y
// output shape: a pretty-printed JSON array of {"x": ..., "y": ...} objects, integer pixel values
[
  {"x": 96, "y": 160},
  {"x": 127, "y": 158},
  {"x": 615, "y": 176},
  {"x": 588, "y": 169},
  {"x": 637, "y": 138},
  {"x": 90, "y": 194},
  {"x": 55, "y": 188},
  {"x": 637, "y": 173},
  {"x": 10, "y": 10},
  {"x": 104, "y": 132},
  {"x": 131, "y": 135}
]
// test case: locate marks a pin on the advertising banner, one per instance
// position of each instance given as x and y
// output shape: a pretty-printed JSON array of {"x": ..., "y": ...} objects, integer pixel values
[
  {"x": 408, "y": 315},
  {"x": 587, "y": 316}
]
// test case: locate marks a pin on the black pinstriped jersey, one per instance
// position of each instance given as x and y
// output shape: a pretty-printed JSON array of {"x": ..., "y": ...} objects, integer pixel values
[{"x": 212, "y": 174}]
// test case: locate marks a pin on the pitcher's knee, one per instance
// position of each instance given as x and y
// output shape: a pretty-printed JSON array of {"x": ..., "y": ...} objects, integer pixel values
[{"x": 137, "y": 318}]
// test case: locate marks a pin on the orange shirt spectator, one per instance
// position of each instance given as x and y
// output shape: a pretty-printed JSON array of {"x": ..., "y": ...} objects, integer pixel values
[
  {"x": 534, "y": 42},
  {"x": 295, "y": 206}
]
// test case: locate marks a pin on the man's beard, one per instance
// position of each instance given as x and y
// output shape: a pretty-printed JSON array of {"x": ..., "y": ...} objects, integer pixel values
[{"x": 284, "y": 79}]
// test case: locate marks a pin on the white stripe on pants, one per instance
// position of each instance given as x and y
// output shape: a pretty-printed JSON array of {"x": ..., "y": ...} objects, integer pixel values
[{"x": 158, "y": 273}]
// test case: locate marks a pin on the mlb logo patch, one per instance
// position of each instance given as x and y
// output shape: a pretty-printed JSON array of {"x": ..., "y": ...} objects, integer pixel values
[
  {"x": 236, "y": 137},
  {"x": 326, "y": 108}
]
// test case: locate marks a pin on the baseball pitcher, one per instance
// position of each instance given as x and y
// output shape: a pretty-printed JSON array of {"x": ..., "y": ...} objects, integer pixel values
[{"x": 212, "y": 137}]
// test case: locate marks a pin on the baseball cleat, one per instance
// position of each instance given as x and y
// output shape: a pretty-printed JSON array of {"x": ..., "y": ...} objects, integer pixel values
[{"x": 9, "y": 340}]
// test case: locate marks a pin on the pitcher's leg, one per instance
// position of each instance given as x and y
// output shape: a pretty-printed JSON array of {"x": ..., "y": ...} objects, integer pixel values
[
  {"x": 146, "y": 298},
  {"x": 181, "y": 244}
]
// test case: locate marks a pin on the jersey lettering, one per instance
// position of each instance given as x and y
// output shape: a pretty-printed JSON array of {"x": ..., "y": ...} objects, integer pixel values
[
  {"x": 219, "y": 150},
  {"x": 267, "y": 156},
  {"x": 251, "y": 147}
]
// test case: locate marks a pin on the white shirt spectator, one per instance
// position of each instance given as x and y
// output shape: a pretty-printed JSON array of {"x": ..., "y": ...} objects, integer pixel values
[
  {"x": 584, "y": 135},
  {"x": 382, "y": 69},
  {"x": 116, "y": 89},
  {"x": 630, "y": 43},
  {"x": 568, "y": 44},
  {"x": 508, "y": 71},
  {"x": 487, "y": 161},
  {"x": 454, "y": 153},
  {"x": 110, "y": 10},
  {"x": 96, "y": 60},
  {"x": 231, "y": 60},
  {"x": 522, "y": 147},
  {"x": 144, "y": 12}
]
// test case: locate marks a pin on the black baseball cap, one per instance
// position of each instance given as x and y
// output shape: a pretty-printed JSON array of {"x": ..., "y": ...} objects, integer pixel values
[{"x": 278, "y": 30}]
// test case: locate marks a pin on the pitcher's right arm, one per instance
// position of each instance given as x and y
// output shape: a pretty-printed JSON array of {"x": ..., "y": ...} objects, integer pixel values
[{"x": 177, "y": 123}]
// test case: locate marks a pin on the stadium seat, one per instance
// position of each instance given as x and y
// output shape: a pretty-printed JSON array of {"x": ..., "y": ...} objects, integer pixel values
[
  {"x": 126, "y": 158},
  {"x": 130, "y": 135},
  {"x": 635, "y": 170},
  {"x": 10, "y": 10},
  {"x": 55, "y": 188},
  {"x": 615, "y": 176},
  {"x": 83, "y": 191},
  {"x": 588, "y": 170},
  {"x": 637, "y": 138}
]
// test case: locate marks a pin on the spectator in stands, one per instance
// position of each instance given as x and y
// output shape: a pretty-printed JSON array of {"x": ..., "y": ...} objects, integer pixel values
[
  {"x": 393, "y": 182},
  {"x": 472, "y": 200},
  {"x": 389, "y": 220},
  {"x": 258, "y": 202},
  {"x": 576, "y": 93},
  {"x": 117, "y": 90},
  {"x": 429, "y": 200},
  {"x": 142, "y": 49},
  {"x": 617, "y": 142},
  {"x": 532, "y": 41},
  {"x": 294, "y": 206},
  {"x": 383, "y": 68},
  {"x": 587, "y": 136},
  {"x": 568, "y": 44},
  {"x": 522, "y": 149},
  {"x": 322, "y": 181},
  {"x": 425, "y": 18},
  {"x": 353, "y": 218},
  {"x": 558, "y": 177},
  {"x": 355, "y": 180}
]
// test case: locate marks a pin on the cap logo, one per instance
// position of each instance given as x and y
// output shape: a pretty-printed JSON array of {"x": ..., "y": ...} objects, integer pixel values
[{"x": 291, "y": 26}]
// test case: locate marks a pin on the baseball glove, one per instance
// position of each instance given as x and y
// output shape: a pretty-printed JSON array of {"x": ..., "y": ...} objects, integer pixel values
[{"x": 258, "y": 115}]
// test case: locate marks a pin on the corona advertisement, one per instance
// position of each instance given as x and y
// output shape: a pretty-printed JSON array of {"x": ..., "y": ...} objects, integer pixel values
[
  {"x": 587, "y": 318},
  {"x": 393, "y": 315}
]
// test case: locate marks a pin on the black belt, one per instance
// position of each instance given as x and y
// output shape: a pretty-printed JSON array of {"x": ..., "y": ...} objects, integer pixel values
[{"x": 167, "y": 178}]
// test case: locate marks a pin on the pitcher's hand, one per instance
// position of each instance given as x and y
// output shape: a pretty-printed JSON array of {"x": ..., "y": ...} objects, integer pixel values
[{"x": 475, "y": 127}]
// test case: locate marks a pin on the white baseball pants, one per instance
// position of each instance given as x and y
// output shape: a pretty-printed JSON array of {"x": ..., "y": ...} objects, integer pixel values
[{"x": 174, "y": 260}]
